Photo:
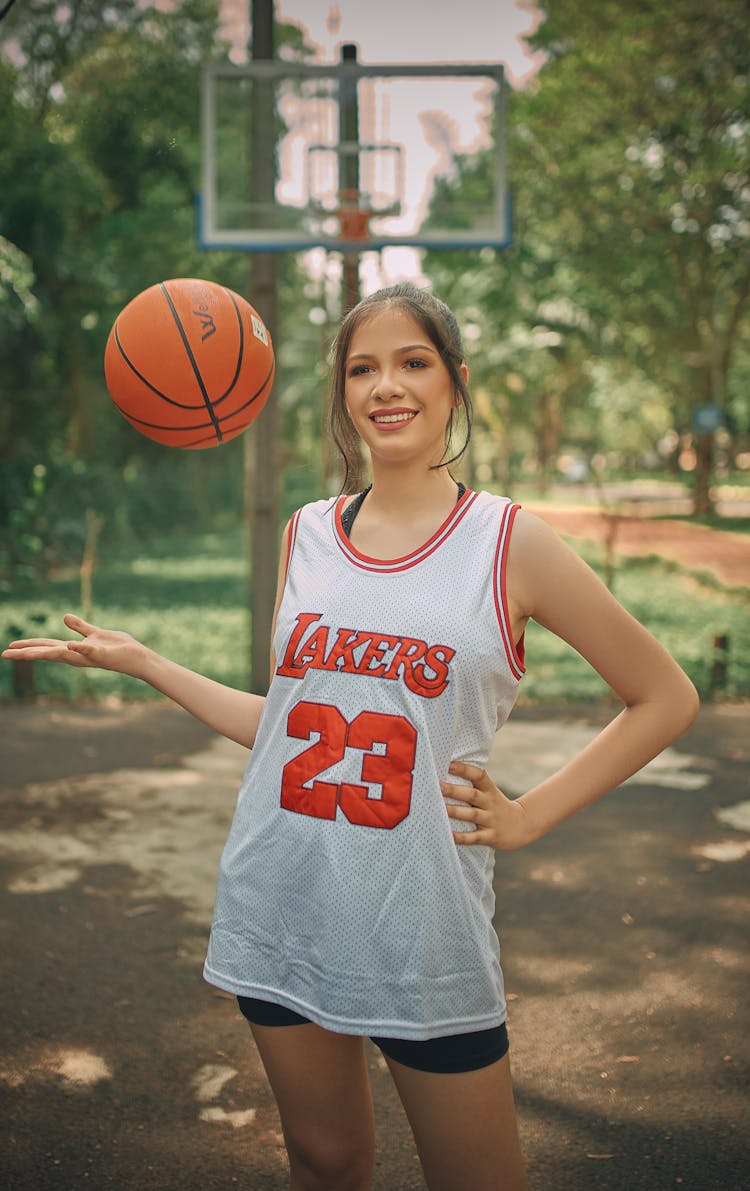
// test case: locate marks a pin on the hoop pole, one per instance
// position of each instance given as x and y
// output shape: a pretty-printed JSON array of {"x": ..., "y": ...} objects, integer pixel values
[
  {"x": 261, "y": 472},
  {"x": 349, "y": 166}
]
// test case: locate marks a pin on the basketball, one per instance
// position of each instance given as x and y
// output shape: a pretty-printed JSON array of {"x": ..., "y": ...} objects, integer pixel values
[{"x": 189, "y": 363}]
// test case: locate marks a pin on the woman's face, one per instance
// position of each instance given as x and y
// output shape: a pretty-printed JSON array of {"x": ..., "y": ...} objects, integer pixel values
[{"x": 397, "y": 389}]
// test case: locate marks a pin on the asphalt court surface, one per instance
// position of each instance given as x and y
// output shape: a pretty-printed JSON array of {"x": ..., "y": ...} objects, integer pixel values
[{"x": 624, "y": 937}]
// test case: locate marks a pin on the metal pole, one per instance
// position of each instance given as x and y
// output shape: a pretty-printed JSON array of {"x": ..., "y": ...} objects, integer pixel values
[
  {"x": 262, "y": 487},
  {"x": 349, "y": 177}
]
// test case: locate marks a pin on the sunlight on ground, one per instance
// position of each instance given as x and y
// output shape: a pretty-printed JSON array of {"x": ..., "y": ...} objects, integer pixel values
[
  {"x": 524, "y": 754},
  {"x": 77, "y": 1068},
  {"x": 723, "y": 851},
  {"x": 168, "y": 825},
  {"x": 208, "y": 1084},
  {"x": 737, "y": 816}
]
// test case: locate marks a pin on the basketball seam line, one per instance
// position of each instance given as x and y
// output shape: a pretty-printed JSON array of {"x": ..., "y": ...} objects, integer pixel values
[
  {"x": 241, "y": 347},
  {"x": 200, "y": 425},
  {"x": 196, "y": 442},
  {"x": 145, "y": 380},
  {"x": 193, "y": 361}
]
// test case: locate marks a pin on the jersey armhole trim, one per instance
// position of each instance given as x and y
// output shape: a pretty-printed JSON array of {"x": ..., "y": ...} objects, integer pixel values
[
  {"x": 293, "y": 527},
  {"x": 514, "y": 652},
  {"x": 406, "y": 561}
]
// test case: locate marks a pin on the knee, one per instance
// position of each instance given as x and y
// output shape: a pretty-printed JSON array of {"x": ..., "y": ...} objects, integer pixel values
[{"x": 320, "y": 1163}]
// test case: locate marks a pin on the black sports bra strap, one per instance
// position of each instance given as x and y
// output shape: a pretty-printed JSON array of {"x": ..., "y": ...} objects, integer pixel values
[{"x": 351, "y": 510}]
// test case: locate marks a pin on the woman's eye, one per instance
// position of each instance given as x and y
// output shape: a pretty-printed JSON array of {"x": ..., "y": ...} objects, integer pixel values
[
  {"x": 358, "y": 369},
  {"x": 416, "y": 363}
]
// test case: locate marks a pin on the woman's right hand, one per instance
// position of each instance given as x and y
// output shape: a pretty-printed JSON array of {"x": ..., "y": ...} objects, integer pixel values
[{"x": 106, "y": 649}]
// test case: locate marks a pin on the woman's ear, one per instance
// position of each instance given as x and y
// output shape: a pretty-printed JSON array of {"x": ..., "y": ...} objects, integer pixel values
[{"x": 464, "y": 371}]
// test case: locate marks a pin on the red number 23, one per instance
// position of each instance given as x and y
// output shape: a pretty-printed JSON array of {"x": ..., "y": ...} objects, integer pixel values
[{"x": 391, "y": 769}]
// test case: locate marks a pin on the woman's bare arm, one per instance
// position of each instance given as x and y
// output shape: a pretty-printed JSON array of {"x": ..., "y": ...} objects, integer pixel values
[
  {"x": 550, "y": 583},
  {"x": 231, "y": 712}
]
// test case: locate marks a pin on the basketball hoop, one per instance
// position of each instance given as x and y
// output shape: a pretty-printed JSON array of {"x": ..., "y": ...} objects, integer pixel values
[
  {"x": 354, "y": 219},
  {"x": 350, "y": 126}
]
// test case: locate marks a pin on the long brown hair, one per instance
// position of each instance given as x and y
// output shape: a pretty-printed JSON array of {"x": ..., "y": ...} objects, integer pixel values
[{"x": 439, "y": 323}]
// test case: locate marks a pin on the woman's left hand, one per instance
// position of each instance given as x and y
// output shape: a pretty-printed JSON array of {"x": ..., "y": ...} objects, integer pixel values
[{"x": 499, "y": 822}]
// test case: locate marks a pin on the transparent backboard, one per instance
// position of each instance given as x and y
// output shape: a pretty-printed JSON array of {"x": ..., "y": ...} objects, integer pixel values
[{"x": 353, "y": 157}]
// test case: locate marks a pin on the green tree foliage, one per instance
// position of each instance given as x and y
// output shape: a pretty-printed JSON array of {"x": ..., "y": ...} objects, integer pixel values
[
  {"x": 640, "y": 120},
  {"x": 629, "y": 162},
  {"x": 99, "y": 155}
]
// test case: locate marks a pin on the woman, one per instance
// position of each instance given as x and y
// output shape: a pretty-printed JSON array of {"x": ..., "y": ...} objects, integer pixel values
[{"x": 355, "y": 892}]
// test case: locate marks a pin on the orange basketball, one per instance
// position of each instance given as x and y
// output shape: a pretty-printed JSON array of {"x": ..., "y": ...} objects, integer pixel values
[{"x": 189, "y": 363}]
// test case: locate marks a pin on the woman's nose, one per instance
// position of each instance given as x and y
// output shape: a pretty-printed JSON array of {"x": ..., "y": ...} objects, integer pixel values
[{"x": 388, "y": 384}]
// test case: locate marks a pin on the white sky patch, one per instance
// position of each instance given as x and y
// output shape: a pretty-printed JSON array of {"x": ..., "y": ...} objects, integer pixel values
[{"x": 416, "y": 31}]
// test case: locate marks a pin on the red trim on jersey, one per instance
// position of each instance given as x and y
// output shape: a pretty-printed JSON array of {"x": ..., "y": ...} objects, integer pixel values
[
  {"x": 394, "y": 565},
  {"x": 293, "y": 527},
  {"x": 514, "y": 652}
]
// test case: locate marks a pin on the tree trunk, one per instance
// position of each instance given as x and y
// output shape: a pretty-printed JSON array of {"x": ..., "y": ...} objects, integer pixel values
[
  {"x": 704, "y": 457},
  {"x": 548, "y": 435}
]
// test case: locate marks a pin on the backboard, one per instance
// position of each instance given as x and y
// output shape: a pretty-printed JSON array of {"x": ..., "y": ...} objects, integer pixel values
[{"x": 352, "y": 157}]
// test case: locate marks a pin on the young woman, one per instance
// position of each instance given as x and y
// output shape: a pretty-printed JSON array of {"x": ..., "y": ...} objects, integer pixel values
[{"x": 355, "y": 891}]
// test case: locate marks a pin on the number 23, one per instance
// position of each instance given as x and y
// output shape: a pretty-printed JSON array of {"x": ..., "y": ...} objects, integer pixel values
[{"x": 393, "y": 769}]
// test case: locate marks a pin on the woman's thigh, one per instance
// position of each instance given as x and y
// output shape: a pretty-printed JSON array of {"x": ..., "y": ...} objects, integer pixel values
[
  {"x": 464, "y": 1126},
  {"x": 322, "y": 1090}
]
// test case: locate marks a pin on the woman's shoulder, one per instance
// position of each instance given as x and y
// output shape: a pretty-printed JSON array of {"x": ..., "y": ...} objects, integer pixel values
[
  {"x": 317, "y": 510},
  {"x": 497, "y": 503}
]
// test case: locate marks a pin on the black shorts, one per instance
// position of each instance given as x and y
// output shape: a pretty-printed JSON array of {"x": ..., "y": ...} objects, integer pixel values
[{"x": 456, "y": 1052}]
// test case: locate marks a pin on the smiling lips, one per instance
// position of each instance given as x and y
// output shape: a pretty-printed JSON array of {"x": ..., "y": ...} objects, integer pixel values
[{"x": 396, "y": 417}]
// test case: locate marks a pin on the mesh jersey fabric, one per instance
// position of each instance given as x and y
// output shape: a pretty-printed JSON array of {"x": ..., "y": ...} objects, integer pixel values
[{"x": 341, "y": 891}]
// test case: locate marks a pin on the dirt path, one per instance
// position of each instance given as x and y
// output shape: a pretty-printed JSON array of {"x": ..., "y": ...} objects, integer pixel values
[{"x": 695, "y": 547}]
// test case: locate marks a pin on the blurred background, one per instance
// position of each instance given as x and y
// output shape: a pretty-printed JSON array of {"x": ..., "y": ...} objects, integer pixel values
[{"x": 609, "y": 344}]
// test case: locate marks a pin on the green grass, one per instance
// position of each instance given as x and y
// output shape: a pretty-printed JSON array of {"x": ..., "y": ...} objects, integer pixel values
[
  {"x": 727, "y": 524},
  {"x": 187, "y": 598},
  {"x": 684, "y": 611}
]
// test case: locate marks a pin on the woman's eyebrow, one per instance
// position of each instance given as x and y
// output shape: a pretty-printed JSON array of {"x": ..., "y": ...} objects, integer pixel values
[{"x": 410, "y": 347}]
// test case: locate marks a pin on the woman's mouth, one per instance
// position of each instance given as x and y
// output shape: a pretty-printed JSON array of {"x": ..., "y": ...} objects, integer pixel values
[{"x": 398, "y": 417}]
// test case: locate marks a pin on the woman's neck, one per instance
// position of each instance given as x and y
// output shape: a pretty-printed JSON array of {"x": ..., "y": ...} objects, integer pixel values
[{"x": 406, "y": 495}]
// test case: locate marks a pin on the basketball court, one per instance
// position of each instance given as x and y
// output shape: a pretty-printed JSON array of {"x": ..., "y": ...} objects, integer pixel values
[{"x": 624, "y": 938}]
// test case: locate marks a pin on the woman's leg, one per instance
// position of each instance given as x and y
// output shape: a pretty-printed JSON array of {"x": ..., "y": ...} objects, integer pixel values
[
  {"x": 464, "y": 1126},
  {"x": 322, "y": 1090}
]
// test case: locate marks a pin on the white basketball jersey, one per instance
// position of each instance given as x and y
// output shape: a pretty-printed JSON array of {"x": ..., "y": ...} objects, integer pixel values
[{"x": 342, "y": 893}]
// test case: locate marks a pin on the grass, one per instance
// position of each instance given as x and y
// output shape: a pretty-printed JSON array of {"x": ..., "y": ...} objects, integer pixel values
[
  {"x": 187, "y": 598},
  {"x": 684, "y": 611},
  {"x": 714, "y": 521}
]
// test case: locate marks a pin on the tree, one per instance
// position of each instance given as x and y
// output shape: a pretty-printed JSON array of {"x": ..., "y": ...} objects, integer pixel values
[
  {"x": 99, "y": 155},
  {"x": 629, "y": 155},
  {"x": 638, "y": 123}
]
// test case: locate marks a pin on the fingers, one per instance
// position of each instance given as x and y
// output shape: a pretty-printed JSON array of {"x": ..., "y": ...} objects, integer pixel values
[
  {"x": 464, "y": 793},
  {"x": 53, "y": 649},
  {"x": 71, "y": 621},
  {"x": 473, "y": 773},
  {"x": 474, "y": 800},
  {"x": 468, "y": 811},
  {"x": 78, "y": 624},
  {"x": 468, "y": 839},
  {"x": 43, "y": 649},
  {"x": 31, "y": 643},
  {"x": 477, "y": 788}
]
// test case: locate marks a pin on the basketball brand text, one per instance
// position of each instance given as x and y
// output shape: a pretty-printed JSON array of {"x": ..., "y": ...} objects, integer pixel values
[
  {"x": 208, "y": 326},
  {"x": 424, "y": 668}
]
